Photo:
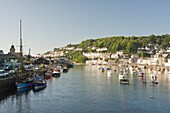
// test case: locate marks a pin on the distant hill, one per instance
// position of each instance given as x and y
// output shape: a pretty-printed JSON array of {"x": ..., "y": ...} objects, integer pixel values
[{"x": 126, "y": 44}]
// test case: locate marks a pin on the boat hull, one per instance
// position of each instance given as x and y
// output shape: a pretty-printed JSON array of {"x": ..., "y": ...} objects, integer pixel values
[
  {"x": 56, "y": 74},
  {"x": 65, "y": 70},
  {"x": 39, "y": 86},
  {"x": 23, "y": 90},
  {"x": 23, "y": 85},
  {"x": 124, "y": 81}
]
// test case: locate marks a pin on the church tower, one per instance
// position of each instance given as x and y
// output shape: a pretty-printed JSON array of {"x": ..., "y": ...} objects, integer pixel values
[{"x": 12, "y": 50}]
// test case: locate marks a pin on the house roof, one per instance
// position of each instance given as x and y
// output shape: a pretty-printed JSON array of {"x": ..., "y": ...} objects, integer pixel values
[{"x": 8, "y": 56}]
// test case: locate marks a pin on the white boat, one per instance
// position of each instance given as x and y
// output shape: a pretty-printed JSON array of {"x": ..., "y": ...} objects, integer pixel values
[
  {"x": 153, "y": 75},
  {"x": 121, "y": 75},
  {"x": 56, "y": 73},
  {"x": 109, "y": 72}
]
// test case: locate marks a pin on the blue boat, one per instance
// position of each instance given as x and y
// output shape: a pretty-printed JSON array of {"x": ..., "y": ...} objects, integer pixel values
[
  {"x": 23, "y": 90},
  {"x": 24, "y": 85},
  {"x": 39, "y": 84}
]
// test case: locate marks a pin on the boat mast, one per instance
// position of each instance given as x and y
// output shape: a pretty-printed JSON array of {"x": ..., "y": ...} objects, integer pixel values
[{"x": 21, "y": 58}]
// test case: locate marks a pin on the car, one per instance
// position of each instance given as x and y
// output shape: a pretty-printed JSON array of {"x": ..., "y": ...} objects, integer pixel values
[
  {"x": 3, "y": 73},
  {"x": 12, "y": 71}
]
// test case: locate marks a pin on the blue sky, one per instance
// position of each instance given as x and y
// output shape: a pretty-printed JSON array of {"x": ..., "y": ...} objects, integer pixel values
[{"x": 48, "y": 24}]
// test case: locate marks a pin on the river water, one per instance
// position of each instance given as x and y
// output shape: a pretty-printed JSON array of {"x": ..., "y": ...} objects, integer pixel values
[{"x": 85, "y": 89}]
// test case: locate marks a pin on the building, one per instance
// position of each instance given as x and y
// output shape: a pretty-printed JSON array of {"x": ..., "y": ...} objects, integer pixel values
[{"x": 11, "y": 56}]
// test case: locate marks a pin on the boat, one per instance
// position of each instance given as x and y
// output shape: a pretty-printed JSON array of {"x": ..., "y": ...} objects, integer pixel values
[
  {"x": 25, "y": 84},
  {"x": 39, "y": 84},
  {"x": 26, "y": 81},
  {"x": 56, "y": 73},
  {"x": 65, "y": 69},
  {"x": 109, "y": 72},
  {"x": 24, "y": 90},
  {"x": 121, "y": 75},
  {"x": 154, "y": 78},
  {"x": 47, "y": 75},
  {"x": 101, "y": 68},
  {"x": 141, "y": 74},
  {"x": 124, "y": 81}
]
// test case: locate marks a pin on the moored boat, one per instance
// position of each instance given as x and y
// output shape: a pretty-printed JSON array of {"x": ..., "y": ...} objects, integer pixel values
[
  {"x": 141, "y": 74},
  {"x": 47, "y": 75},
  {"x": 20, "y": 85},
  {"x": 65, "y": 69},
  {"x": 39, "y": 84},
  {"x": 56, "y": 73},
  {"x": 121, "y": 75},
  {"x": 109, "y": 72},
  {"x": 124, "y": 81},
  {"x": 23, "y": 90}
]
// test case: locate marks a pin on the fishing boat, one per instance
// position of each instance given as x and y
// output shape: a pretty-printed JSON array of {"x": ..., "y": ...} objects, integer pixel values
[
  {"x": 38, "y": 84},
  {"x": 56, "y": 73},
  {"x": 26, "y": 81}
]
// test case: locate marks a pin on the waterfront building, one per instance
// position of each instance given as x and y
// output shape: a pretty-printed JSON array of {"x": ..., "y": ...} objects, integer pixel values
[
  {"x": 12, "y": 56},
  {"x": 1, "y": 52},
  {"x": 101, "y": 49},
  {"x": 79, "y": 49}
]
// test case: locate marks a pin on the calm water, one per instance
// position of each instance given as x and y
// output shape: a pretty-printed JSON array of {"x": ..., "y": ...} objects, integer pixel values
[{"x": 85, "y": 89}]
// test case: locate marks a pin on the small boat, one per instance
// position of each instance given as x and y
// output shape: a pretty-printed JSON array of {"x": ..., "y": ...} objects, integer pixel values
[
  {"x": 154, "y": 78},
  {"x": 39, "y": 84},
  {"x": 65, "y": 69},
  {"x": 109, "y": 72},
  {"x": 121, "y": 75},
  {"x": 23, "y": 85},
  {"x": 124, "y": 81},
  {"x": 141, "y": 74},
  {"x": 101, "y": 68},
  {"x": 23, "y": 90},
  {"x": 56, "y": 73},
  {"x": 47, "y": 75}
]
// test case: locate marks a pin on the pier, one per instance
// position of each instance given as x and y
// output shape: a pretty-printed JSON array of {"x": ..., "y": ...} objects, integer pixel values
[{"x": 7, "y": 83}]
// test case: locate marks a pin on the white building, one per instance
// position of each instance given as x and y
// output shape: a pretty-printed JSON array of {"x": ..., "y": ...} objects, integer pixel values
[{"x": 101, "y": 49}]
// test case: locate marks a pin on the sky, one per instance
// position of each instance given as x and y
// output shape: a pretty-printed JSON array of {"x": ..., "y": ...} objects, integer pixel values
[{"x": 49, "y": 24}]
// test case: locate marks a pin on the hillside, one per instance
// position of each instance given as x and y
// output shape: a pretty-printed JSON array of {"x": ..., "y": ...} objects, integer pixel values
[
  {"x": 128, "y": 45},
  {"x": 120, "y": 43}
]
